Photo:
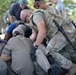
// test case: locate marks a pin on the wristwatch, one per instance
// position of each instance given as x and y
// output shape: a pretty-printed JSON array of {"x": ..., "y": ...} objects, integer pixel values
[{"x": 35, "y": 45}]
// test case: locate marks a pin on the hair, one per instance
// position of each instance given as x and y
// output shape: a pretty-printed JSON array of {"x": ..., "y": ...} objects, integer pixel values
[{"x": 36, "y": 3}]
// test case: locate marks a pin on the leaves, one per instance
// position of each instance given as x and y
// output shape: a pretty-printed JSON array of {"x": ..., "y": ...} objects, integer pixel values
[{"x": 5, "y": 5}]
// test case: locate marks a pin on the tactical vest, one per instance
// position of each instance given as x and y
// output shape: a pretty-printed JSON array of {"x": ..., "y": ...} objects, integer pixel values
[{"x": 50, "y": 14}]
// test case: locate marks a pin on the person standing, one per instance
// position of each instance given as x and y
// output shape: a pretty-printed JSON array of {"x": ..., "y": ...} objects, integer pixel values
[
  {"x": 16, "y": 8},
  {"x": 60, "y": 7}
]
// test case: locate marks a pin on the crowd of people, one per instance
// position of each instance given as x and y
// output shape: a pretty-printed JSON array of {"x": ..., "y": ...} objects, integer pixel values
[{"x": 39, "y": 42}]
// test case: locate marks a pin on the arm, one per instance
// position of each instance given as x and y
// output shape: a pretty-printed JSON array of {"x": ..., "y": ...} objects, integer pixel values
[
  {"x": 39, "y": 22},
  {"x": 5, "y": 58},
  {"x": 7, "y": 36},
  {"x": 8, "y": 33},
  {"x": 38, "y": 19},
  {"x": 41, "y": 32},
  {"x": 64, "y": 13},
  {"x": 6, "y": 52},
  {"x": 33, "y": 36},
  {"x": 11, "y": 12},
  {"x": 62, "y": 8},
  {"x": 11, "y": 19}
]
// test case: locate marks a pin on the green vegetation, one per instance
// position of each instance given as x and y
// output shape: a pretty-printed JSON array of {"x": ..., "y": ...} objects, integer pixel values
[{"x": 5, "y": 5}]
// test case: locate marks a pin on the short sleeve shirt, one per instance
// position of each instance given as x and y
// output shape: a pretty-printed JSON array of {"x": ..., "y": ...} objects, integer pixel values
[
  {"x": 19, "y": 48},
  {"x": 15, "y": 10},
  {"x": 60, "y": 6},
  {"x": 38, "y": 16},
  {"x": 13, "y": 26}
]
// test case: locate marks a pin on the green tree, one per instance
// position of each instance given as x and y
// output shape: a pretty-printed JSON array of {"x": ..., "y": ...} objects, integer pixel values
[
  {"x": 74, "y": 16},
  {"x": 5, "y": 5}
]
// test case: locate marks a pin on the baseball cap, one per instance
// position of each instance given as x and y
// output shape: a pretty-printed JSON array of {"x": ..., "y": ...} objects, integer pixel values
[{"x": 24, "y": 2}]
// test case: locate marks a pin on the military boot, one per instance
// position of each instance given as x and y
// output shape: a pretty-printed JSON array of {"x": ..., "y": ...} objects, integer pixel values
[{"x": 55, "y": 68}]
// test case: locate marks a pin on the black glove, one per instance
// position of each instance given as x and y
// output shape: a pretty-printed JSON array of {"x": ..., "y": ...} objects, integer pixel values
[
  {"x": 33, "y": 51},
  {"x": 56, "y": 69}
]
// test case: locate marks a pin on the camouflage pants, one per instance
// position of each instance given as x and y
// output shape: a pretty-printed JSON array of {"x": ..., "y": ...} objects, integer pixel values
[
  {"x": 55, "y": 45},
  {"x": 43, "y": 62},
  {"x": 69, "y": 53}
]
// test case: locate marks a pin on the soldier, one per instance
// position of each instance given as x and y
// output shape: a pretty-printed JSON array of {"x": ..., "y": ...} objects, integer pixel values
[
  {"x": 42, "y": 21},
  {"x": 57, "y": 56}
]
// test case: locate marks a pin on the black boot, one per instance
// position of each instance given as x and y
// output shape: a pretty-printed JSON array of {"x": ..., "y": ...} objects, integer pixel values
[
  {"x": 55, "y": 68},
  {"x": 75, "y": 74},
  {"x": 51, "y": 59}
]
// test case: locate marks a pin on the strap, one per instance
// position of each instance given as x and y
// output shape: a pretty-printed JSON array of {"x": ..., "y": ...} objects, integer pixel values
[
  {"x": 32, "y": 17},
  {"x": 64, "y": 34}
]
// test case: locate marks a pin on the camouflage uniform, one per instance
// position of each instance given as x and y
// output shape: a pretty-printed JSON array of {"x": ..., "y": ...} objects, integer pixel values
[{"x": 56, "y": 40}]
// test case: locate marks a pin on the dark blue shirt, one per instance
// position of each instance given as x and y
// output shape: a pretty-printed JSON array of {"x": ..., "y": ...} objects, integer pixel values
[
  {"x": 15, "y": 10},
  {"x": 13, "y": 26}
]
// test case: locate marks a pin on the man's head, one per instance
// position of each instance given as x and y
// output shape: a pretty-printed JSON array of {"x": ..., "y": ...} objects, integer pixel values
[
  {"x": 20, "y": 30},
  {"x": 25, "y": 15},
  {"x": 23, "y": 3},
  {"x": 40, "y": 4}
]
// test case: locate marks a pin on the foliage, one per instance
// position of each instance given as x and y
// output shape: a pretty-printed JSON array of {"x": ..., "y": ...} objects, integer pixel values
[
  {"x": 68, "y": 2},
  {"x": 74, "y": 15},
  {"x": 5, "y": 5}
]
